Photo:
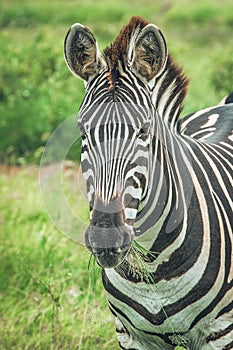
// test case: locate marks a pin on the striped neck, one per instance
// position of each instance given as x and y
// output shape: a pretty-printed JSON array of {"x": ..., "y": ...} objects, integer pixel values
[
  {"x": 165, "y": 207},
  {"x": 163, "y": 215},
  {"x": 168, "y": 92}
]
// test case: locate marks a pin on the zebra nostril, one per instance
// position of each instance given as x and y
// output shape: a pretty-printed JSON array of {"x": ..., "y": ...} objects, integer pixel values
[{"x": 108, "y": 238}]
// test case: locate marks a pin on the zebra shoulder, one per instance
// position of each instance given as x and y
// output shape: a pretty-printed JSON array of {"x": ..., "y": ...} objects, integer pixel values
[{"x": 213, "y": 124}]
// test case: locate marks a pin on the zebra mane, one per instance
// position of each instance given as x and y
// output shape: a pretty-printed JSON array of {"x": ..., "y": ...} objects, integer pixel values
[
  {"x": 119, "y": 47},
  {"x": 118, "y": 50},
  {"x": 172, "y": 83},
  {"x": 169, "y": 91}
]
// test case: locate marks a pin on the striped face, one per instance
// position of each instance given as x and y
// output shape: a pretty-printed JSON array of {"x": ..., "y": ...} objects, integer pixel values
[
  {"x": 115, "y": 123},
  {"x": 115, "y": 165}
]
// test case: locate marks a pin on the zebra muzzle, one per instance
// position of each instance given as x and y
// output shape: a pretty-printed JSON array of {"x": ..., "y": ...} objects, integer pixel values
[{"x": 109, "y": 245}]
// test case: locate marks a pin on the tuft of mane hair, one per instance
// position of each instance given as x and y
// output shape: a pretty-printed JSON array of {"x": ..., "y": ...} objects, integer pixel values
[
  {"x": 226, "y": 100},
  {"x": 229, "y": 98},
  {"x": 119, "y": 48},
  {"x": 174, "y": 73}
]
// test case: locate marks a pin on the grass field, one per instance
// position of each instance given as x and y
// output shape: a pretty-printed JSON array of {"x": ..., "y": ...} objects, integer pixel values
[{"x": 47, "y": 299}]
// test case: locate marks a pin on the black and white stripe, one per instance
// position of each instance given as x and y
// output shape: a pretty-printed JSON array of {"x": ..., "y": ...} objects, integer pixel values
[{"x": 172, "y": 180}]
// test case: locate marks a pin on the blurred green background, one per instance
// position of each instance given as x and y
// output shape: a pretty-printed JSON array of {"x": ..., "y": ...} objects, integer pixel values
[{"x": 47, "y": 299}]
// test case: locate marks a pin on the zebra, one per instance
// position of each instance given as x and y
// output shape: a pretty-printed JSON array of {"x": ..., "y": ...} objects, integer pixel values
[
  {"x": 160, "y": 192},
  {"x": 227, "y": 99}
]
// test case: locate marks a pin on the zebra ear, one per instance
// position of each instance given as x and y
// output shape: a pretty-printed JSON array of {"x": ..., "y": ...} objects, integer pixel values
[
  {"x": 149, "y": 53},
  {"x": 81, "y": 52}
]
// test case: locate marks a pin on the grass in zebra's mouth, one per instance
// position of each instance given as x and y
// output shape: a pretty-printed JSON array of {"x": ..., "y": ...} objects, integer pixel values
[
  {"x": 94, "y": 270},
  {"x": 138, "y": 259}
]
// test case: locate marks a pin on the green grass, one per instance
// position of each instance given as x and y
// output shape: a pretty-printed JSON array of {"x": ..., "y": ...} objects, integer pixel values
[{"x": 46, "y": 297}]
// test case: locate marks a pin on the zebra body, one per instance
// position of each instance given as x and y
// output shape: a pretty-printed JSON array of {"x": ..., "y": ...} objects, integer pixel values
[
  {"x": 160, "y": 183},
  {"x": 189, "y": 277}
]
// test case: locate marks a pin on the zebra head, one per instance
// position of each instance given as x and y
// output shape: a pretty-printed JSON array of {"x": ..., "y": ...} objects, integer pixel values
[{"x": 116, "y": 123}]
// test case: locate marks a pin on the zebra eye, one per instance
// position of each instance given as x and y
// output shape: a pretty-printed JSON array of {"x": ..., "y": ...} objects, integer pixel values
[
  {"x": 144, "y": 131},
  {"x": 82, "y": 130},
  {"x": 83, "y": 136}
]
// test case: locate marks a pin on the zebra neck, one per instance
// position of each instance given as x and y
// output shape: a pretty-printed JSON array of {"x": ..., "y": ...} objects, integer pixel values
[
  {"x": 168, "y": 92},
  {"x": 164, "y": 212}
]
